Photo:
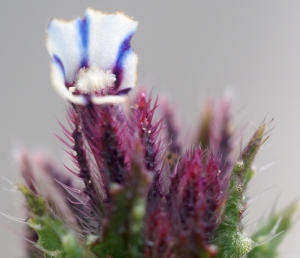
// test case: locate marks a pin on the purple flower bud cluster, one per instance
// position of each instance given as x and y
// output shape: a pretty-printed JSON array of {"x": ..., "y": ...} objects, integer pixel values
[{"x": 186, "y": 191}]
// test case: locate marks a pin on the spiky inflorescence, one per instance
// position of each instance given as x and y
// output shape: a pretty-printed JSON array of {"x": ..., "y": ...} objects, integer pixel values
[
  {"x": 91, "y": 196},
  {"x": 193, "y": 204},
  {"x": 105, "y": 130},
  {"x": 143, "y": 122}
]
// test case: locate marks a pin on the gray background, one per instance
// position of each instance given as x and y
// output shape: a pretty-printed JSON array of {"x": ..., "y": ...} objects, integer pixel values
[{"x": 188, "y": 50}]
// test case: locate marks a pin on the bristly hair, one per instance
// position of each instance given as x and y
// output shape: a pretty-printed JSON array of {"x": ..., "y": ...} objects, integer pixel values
[
  {"x": 142, "y": 119},
  {"x": 193, "y": 205},
  {"x": 215, "y": 187},
  {"x": 106, "y": 131},
  {"x": 144, "y": 126},
  {"x": 159, "y": 241},
  {"x": 90, "y": 199}
]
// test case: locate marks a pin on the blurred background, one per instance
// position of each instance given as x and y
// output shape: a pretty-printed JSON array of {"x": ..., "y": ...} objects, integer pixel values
[{"x": 188, "y": 50}]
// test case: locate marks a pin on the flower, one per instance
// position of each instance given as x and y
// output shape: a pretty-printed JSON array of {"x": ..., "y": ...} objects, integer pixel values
[{"x": 92, "y": 60}]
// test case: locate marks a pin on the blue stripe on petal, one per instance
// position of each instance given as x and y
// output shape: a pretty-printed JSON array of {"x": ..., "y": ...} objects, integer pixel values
[
  {"x": 83, "y": 27},
  {"x": 57, "y": 60},
  {"x": 123, "y": 92},
  {"x": 124, "y": 50}
]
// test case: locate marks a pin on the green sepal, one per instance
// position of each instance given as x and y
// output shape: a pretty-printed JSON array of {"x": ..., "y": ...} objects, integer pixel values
[
  {"x": 49, "y": 240},
  {"x": 229, "y": 237},
  {"x": 36, "y": 204},
  {"x": 249, "y": 153},
  {"x": 55, "y": 239}
]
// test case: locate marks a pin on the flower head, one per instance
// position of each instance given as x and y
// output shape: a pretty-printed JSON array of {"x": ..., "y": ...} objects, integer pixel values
[{"x": 92, "y": 59}]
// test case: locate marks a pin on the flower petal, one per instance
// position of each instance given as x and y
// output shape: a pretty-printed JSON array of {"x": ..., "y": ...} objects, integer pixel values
[
  {"x": 64, "y": 44},
  {"x": 109, "y": 45},
  {"x": 129, "y": 72},
  {"x": 58, "y": 81},
  {"x": 107, "y": 99}
]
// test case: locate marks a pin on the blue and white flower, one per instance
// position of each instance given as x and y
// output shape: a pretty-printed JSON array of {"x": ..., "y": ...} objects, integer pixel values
[{"x": 92, "y": 60}]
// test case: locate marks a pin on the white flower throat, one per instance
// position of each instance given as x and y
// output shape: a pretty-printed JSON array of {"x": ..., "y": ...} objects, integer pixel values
[{"x": 93, "y": 79}]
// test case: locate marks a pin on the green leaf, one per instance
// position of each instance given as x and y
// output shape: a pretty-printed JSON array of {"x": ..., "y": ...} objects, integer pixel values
[{"x": 55, "y": 238}]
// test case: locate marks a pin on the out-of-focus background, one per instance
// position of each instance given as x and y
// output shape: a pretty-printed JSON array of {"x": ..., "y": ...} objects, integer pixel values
[{"x": 188, "y": 50}]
